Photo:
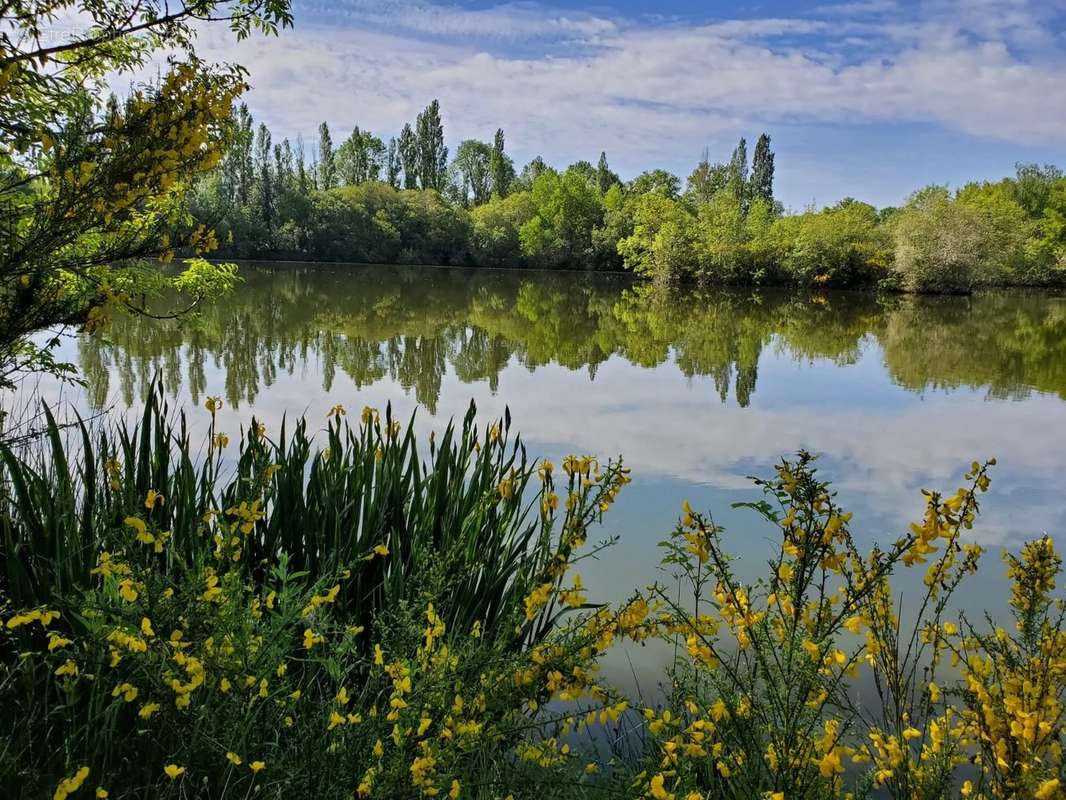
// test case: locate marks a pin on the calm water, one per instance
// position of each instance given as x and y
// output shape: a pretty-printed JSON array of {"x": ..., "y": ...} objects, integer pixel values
[{"x": 697, "y": 391}]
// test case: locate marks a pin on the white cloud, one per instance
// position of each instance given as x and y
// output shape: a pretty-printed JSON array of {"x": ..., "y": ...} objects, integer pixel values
[
  {"x": 506, "y": 21},
  {"x": 929, "y": 70},
  {"x": 655, "y": 92}
]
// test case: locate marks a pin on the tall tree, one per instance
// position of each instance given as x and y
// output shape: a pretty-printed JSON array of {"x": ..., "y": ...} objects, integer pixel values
[
  {"x": 393, "y": 166},
  {"x": 473, "y": 160},
  {"x": 302, "y": 184},
  {"x": 408, "y": 147},
  {"x": 737, "y": 174},
  {"x": 361, "y": 158},
  {"x": 706, "y": 180},
  {"x": 531, "y": 171},
  {"x": 264, "y": 177},
  {"x": 241, "y": 152},
  {"x": 501, "y": 167},
  {"x": 762, "y": 171},
  {"x": 432, "y": 154},
  {"x": 604, "y": 177},
  {"x": 279, "y": 167},
  {"x": 327, "y": 165},
  {"x": 285, "y": 171}
]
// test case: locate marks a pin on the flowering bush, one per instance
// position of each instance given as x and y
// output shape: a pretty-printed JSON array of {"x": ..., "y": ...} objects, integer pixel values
[{"x": 808, "y": 684}]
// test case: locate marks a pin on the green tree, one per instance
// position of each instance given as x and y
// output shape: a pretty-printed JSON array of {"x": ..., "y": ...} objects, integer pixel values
[
  {"x": 327, "y": 164},
  {"x": 605, "y": 178},
  {"x": 658, "y": 181},
  {"x": 1007, "y": 226},
  {"x": 360, "y": 158},
  {"x": 762, "y": 171},
  {"x": 303, "y": 185},
  {"x": 501, "y": 167},
  {"x": 939, "y": 243},
  {"x": 265, "y": 179},
  {"x": 617, "y": 225},
  {"x": 1033, "y": 184},
  {"x": 1047, "y": 247},
  {"x": 722, "y": 238},
  {"x": 585, "y": 170},
  {"x": 838, "y": 246},
  {"x": 432, "y": 154},
  {"x": 86, "y": 189},
  {"x": 408, "y": 149},
  {"x": 283, "y": 166},
  {"x": 238, "y": 165},
  {"x": 393, "y": 165},
  {"x": 737, "y": 173},
  {"x": 473, "y": 162},
  {"x": 566, "y": 210},
  {"x": 661, "y": 245},
  {"x": 530, "y": 172},
  {"x": 706, "y": 180},
  {"x": 495, "y": 228}
]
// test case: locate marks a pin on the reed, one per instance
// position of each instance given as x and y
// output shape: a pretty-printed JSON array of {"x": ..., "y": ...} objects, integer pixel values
[{"x": 463, "y": 517}]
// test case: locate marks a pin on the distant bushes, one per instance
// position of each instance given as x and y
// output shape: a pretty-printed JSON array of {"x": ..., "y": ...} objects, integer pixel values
[{"x": 1012, "y": 232}]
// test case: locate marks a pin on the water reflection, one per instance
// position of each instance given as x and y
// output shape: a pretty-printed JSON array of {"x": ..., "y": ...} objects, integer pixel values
[
  {"x": 410, "y": 326},
  {"x": 697, "y": 390}
]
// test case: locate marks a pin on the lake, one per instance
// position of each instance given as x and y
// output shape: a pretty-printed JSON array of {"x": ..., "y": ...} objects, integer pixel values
[{"x": 697, "y": 390}]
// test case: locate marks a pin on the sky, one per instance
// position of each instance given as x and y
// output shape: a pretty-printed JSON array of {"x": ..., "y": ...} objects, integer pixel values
[{"x": 864, "y": 98}]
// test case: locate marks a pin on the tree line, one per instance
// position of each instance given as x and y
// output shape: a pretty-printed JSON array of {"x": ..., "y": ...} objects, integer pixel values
[
  {"x": 387, "y": 323},
  {"x": 406, "y": 201}
]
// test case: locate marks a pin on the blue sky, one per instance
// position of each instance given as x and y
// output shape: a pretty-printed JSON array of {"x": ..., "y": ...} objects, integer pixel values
[{"x": 867, "y": 98}]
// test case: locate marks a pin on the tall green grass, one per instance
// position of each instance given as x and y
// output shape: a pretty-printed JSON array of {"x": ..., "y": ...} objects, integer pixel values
[{"x": 327, "y": 502}]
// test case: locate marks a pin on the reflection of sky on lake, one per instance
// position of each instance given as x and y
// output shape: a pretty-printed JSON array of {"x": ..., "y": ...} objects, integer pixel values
[{"x": 879, "y": 443}]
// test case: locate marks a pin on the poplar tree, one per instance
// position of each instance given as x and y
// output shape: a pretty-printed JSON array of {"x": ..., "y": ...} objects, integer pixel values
[
  {"x": 604, "y": 177},
  {"x": 500, "y": 166},
  {"x": 327, "y": 166},
  {"x": 762, "y": 171},
  {"x": 474, "y": 161},
  {"x": 242, "y": 154},
  {"x": 301, "y": 166},
  {"x": 738, "y": 172},
  {"x": 392, "y": 164},
  {"x": 285, "y": 177},
  {"x": 265, "y": 179},
  {"x": 408, "y": 147},
  {"x": 432, "y": 154}
]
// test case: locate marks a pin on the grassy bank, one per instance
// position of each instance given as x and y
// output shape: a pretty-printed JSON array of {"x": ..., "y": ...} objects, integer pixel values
[{"x": 364, "y": 614}]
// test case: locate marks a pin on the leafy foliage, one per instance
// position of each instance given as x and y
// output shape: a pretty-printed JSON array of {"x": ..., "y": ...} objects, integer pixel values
[{"x": 88, "y": 186}]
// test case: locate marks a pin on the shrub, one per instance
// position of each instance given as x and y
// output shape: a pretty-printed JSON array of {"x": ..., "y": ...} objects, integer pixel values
[
  {"x": 838, "y": 246},
  {"x": 939, "y": 244},
  {"x": 765, "y": 701}
]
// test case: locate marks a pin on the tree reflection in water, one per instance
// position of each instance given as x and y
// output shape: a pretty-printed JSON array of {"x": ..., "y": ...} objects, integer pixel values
[{"x": 412, "y": 325}]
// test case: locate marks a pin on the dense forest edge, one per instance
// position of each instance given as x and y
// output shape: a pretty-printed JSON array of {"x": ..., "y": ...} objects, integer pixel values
[{"x": 405, "y": 202}]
